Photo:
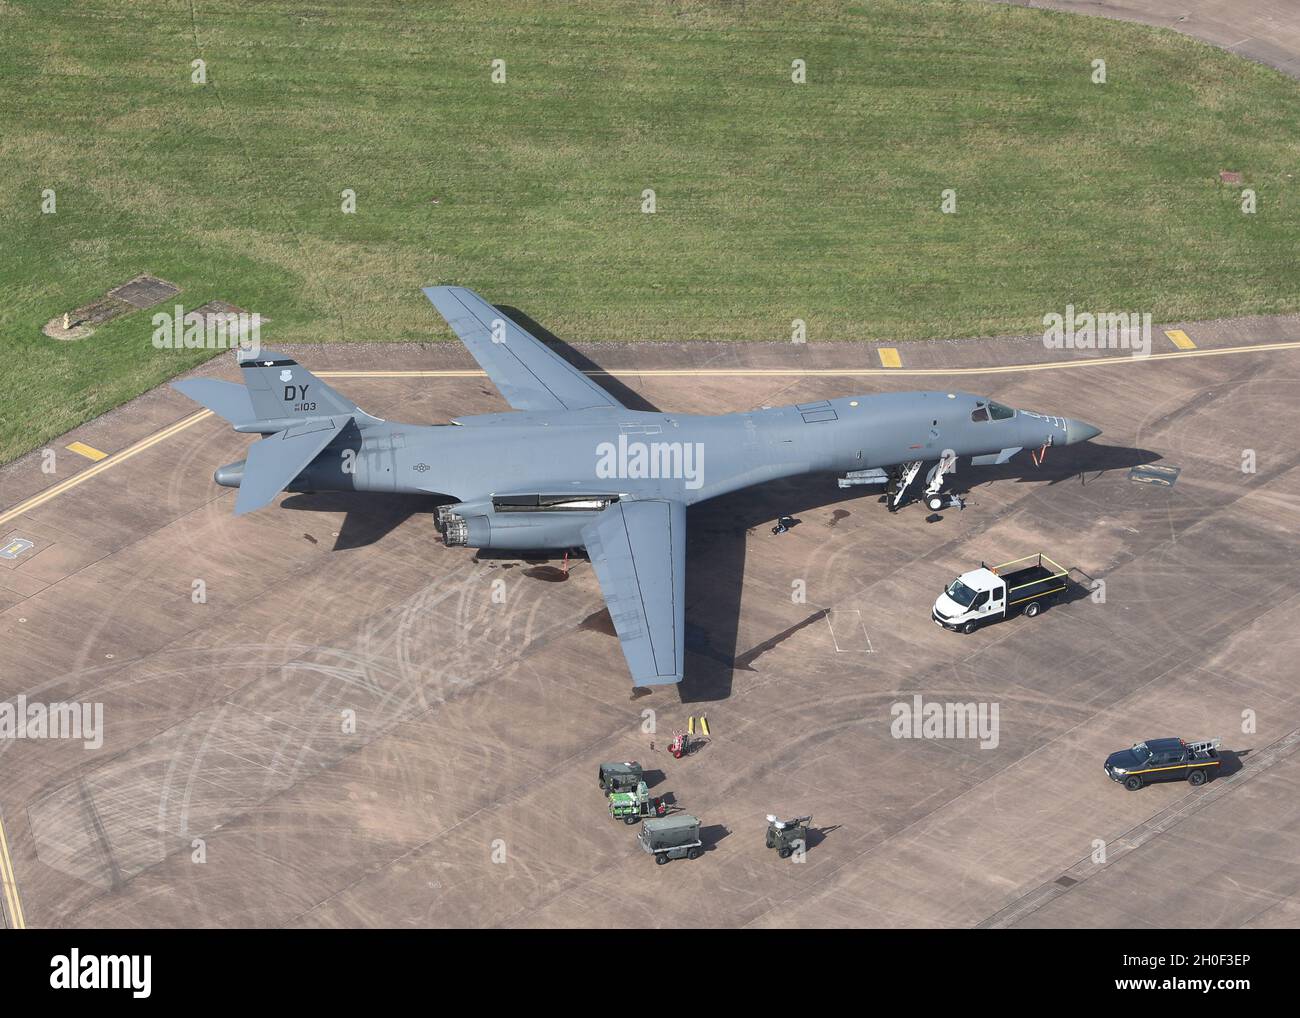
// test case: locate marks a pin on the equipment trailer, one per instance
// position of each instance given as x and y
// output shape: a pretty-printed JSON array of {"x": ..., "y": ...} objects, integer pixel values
[
  {"x": 673, "y": 837},
  {"x": 787, "y": 836},
  {"x": 620, "y": 777},
  {"x": 631, "y": 807}
]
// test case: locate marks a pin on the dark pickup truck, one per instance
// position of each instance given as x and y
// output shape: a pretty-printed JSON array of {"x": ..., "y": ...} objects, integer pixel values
[{"x": 1164, "y": 760}]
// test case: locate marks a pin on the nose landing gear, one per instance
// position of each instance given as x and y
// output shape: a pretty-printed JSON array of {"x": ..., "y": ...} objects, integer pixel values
[{"x": 901, "y": 478}]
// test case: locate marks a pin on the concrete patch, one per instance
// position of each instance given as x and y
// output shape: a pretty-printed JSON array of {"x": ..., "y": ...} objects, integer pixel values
[
  {"x": 143, "y": 291},
  {"x": 1152, "y": 474}
]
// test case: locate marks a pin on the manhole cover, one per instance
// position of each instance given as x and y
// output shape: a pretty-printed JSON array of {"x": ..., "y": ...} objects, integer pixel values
[{"x": 145, "y": 291}]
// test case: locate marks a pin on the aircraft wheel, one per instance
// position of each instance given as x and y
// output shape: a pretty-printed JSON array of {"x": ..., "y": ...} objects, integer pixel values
[
  {"x": 1033, "y": 609},
  {"x": 1132, "y": 782},
  {"x": 935, "y": 503},
  {"x": 1196, "y": 777}
]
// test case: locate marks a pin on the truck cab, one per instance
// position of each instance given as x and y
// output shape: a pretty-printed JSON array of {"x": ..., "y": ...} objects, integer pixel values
[{"x": 970, "y": 599}]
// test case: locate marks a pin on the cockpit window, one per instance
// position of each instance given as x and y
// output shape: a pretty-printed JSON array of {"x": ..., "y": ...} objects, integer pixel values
[
  {"x": 980, "y": 413},
  {"x": 1000, "y": 412}
]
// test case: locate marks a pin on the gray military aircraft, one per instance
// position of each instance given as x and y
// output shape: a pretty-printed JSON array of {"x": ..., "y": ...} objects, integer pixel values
[{"x": 571, "y": 467}]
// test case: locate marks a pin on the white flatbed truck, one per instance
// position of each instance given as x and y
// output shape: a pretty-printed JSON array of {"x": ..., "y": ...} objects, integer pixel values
[{"x": 992, "y": 593}]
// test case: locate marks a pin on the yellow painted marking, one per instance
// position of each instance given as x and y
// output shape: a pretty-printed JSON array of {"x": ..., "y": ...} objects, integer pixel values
[
  {"x": 13, "y": 905},
  {"x": 89, "y": 451},
  {"x": 889, "y": 357},
  {"x": 41, "y": 498},
  {"x": 1084, "y": 362},
  {"x": 1178, "y": 767},
  {"x": 1179, "y": 338}
]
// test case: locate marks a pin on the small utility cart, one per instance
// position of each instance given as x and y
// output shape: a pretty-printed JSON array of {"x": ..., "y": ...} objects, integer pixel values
[
  {"x": 620, "y": 777},
  {"x": 674, "y": 837},
  {"x": 633, "y": 807},
  {"x": 787, "y": 836}
]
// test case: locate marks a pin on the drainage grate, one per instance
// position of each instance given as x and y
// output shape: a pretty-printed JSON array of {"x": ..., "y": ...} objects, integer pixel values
[{"x": 145, "y": 291}]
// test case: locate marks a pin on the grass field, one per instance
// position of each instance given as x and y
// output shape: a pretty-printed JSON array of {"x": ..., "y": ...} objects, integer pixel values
[{"x": 775, "y": 201}]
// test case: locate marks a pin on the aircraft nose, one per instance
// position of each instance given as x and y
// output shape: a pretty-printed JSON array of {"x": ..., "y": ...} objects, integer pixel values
[{"x": 1078, "y": 431}]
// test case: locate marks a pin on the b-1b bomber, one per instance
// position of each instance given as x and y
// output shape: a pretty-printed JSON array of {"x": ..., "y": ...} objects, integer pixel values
[{"x": 570, "y": 467}]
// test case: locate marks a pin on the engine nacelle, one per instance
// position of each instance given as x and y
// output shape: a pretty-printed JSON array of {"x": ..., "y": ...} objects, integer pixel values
[{"x": 513, "y": 526}]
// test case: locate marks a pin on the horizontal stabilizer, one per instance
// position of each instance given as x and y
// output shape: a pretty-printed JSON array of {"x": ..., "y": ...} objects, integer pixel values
[
  {"x": 277, "y": 459},
  {"x": 228, "y": 400}
]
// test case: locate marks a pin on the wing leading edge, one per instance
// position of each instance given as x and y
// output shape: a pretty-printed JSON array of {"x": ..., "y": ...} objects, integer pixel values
[
  {"x": 639, "y": 552},
  {"x": 530, "y": 375}
]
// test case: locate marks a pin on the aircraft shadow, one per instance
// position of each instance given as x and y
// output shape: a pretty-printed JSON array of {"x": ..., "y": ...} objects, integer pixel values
[
  {"x": 1085, "y": 462},
  {"x": 368, "y": 516},
  {"x": 628, "y": 397},
  {"x": 716, "y": 544}
]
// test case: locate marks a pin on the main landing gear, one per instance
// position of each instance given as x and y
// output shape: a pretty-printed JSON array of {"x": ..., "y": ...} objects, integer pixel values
[{"x": 902, "y": 477}]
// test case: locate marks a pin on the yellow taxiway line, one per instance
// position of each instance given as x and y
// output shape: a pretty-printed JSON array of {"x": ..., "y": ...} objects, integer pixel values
[
  {"x": 40, "y": 498},
  {"x": 1180, "y": 339},
  {"x": 889, "y": 357},
  {"x": 114, "y": 459},
  {"x": 13, "y": 906}
]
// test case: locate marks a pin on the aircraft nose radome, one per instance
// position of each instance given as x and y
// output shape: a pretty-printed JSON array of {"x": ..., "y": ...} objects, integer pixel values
[{"x": 1078, "y": 431}]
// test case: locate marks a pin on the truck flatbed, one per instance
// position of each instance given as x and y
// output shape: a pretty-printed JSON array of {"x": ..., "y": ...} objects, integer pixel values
[{"x": 1030, "y": 578}]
